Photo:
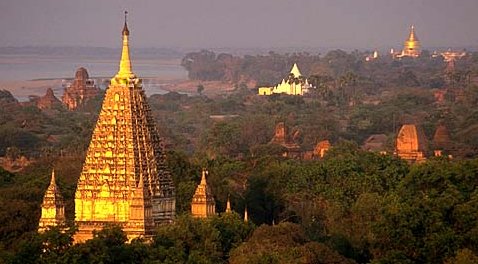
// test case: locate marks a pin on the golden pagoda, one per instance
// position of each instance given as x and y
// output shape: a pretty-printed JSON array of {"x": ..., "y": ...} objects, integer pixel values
[
  {"x": 411, "y": 47},
  {"x": 203, "y": 204},
  {"x": 52, "y": 208},
  {"x": 124, "y": 180}
]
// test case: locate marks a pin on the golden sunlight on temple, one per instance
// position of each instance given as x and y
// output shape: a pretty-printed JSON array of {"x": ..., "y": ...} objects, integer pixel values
[
  {"x": 411, "y": 47},
  {"x": 124, "y": 179},
  {"x": 52, "y": 208},
  {"x": 295, "y": 84},
  {"x": 203, "y": 204},
  {"x": 410, "y": 144}
]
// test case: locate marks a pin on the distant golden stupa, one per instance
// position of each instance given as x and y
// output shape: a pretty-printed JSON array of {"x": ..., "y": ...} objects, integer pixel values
[
  {"x": 411, "y": 47},
  {"x": 203, "y": 204},
  {"x": 124, "y": 180},
  {"x": 52, "y": 208}
]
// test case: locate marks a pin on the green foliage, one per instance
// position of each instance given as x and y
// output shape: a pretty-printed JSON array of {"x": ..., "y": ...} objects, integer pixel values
[
  {"x": 433, "y": 213},
  {"x": 188, "y": 240},
  {"x": 283, "y": 243}
]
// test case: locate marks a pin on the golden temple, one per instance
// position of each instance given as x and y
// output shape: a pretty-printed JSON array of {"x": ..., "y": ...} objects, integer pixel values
[
  {"x": 411, "y": 47},
  {"x": 124, "y": 180},
  {"x": 203, "y": 204},
  {"x": 52, "y": 208}
]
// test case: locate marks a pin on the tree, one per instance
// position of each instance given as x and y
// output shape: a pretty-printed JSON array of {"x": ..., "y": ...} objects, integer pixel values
[
  {"x": 188, "y": 240},
  {"x": 283, "y": 243}
]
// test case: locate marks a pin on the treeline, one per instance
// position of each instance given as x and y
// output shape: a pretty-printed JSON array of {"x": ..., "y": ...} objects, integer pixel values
[
  {"x": 271, "y": 68},
  {"x": 352, "y": 206}
]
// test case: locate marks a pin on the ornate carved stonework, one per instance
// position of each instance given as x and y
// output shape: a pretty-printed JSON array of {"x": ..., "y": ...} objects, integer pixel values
[
  {"x": 124, "y": 180},
  {"x": 52, "y": 208},
  {"x": 203, "y": 204},
  {"x": 410, "y": 144},
  {"x": 80, "y": 91}
]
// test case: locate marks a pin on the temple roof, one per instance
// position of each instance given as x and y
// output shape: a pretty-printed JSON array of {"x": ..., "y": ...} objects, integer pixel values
[
  {"x": 203, "y": 189},
  {"x": 410, "y": 139},
  {"x": 295, "y": 70},
  {"x": 441, "y": 138},
  {"x": 53, "y": 193}
]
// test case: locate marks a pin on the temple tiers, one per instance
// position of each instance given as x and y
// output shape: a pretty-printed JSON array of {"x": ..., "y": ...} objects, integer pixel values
[
  {"x": 410, "y": 144},
  {"x": 80, "y": 91},
  {"x": 124, "y": 180},
  {"x": 203, "y": 204},
  {"x": 295, "y": 84},
  {"x": 52, "y": 208}
]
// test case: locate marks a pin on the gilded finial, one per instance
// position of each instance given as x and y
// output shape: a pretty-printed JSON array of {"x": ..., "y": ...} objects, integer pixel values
[
  {"x": 125, "y": 28},
  {"x": 53, "y": 181},
  {"x": 228, "y": 205},
  {"x": 203, "y": 175},
  {"x": 125, "y": 70}
]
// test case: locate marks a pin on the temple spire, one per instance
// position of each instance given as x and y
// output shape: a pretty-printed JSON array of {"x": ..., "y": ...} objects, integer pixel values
[
  {"x": 412, "y": 36},
  {"x": 203, "y": 176},
  {"x": 52, "y": 181},
  {"x": 52, "y": 208},
  {"x": 295, "y": 70},
  {"x": 125, "y": 70},
  {"x": 203, "y": 204},
  {"x": 228, "y": 205}
]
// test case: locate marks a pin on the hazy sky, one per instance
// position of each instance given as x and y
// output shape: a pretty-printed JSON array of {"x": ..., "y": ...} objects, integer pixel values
[{"x": 240, "y": 23}]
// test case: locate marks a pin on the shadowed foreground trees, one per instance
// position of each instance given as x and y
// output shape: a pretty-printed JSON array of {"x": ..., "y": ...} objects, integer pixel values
[{"x": 188, "y": 240}]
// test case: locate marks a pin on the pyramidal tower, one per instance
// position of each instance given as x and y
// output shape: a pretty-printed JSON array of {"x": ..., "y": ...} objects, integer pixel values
[
  {"x": 52, "y": 208},
  {"x": 203, "y": 204},
  {"x": 124, "y": 180}
]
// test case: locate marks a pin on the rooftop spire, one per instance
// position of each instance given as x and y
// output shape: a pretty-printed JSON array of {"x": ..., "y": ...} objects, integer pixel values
[
  {"x": 412, "y": 36},
  {"x": 203, "y": 176},
  {"x": 228, "y": 205},
  {"x": 125, "y": 27},
  {"x": 295, "y": 70},
  {"x": 125, "y": 63},
  {"x": 52, "y": 181}
]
